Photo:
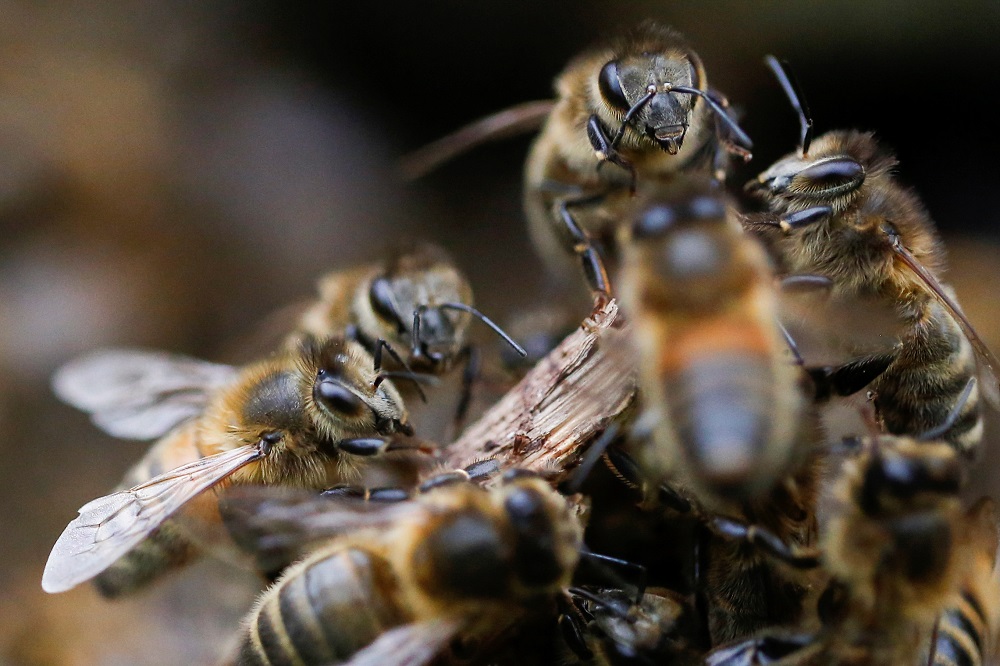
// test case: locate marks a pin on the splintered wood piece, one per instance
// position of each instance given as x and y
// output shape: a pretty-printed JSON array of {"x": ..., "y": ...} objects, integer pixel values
[{"x": 568, "y": 398}]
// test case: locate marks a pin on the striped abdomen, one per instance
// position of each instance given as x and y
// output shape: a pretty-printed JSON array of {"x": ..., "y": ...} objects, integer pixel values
[
  {"x": 961, "y": 634},
  {"x": 167, "y": 548},
  {"x": 920, "y": 388},
  {"x": 322, "y": 611}
]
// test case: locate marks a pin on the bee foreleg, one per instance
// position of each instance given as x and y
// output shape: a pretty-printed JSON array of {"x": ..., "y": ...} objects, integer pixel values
[
  {"x": 593, "y": 265},
  {"x": 605, "y": 149},
  {"x": 763, "y": 538}
]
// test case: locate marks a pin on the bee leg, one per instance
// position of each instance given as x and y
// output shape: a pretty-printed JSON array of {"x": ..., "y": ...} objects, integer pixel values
[
  {"x": 760, "y": 537},
  {"x": 849, "y": 378},
  {"x": 471, "y": 358},
  {"x": 573, "y": 626},
  {"x": 593, "y": 266},
  {"x": 597, "y": 560},
  {"x": 386, "y": 494},
  {"x": 477, "y": 471},
  {"x": 604, "y": 146},
  {"x": 364, "y": 446}
]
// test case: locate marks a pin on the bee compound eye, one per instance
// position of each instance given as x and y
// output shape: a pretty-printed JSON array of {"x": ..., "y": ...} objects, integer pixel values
[
  {"x": 338, "y": 398},
  {"x": 610, "y": 86},
  {"x": 381, "y": 298},
  {"x": 839, "y": 174}
]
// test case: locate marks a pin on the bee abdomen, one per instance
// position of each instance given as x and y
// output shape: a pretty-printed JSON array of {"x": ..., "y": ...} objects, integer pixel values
[
  {"x": 166, "y": 548},
  {"x": 322, "y": 612},
  {"x": 918, "y": 392},
  {"x": 721, "y": 406},
  {"x": 960, "y": 634}
]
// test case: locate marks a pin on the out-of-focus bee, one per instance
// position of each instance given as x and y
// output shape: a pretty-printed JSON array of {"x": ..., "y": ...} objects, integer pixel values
[
  {"x": 966, "y": 632},
  {"x": 609, "y": 627},
  {"x": 893, "y": 548},
  {"x": 418, "y": 303},
  {"x": 644, "y": 106},
  {"x": 398, "y": 582},
  {"x": 714, "y": 374},
  {"x": 879, "y": 247},
  {"x": 301, "y": 418}
]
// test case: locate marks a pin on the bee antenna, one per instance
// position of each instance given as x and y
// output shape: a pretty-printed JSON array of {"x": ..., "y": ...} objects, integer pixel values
[
  {"x": 381, "y": 344},
  {"x": 794, "y": 93},
  {"x": 956, "y": 411},
  {"x": 632, "y": 113},
  {"x": 605, "y": 564},
  {"x": 486, "y": 320},
  {"x": 742, "y": 138}
]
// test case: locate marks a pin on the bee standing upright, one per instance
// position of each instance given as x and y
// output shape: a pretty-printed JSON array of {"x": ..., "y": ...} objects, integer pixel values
[
  {"x": 644, "y": 106},
  {"x": 878, "y": 247}
]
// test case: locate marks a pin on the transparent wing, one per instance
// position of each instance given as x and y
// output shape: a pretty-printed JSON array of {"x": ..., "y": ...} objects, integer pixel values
[
  {"x": 409, "y": 645},
  {"x": 988, "y": 362},
  {"x": 137, "y": 394},
  {"x": 110, "y": 526},
  {"x": 277, "y": 525}
]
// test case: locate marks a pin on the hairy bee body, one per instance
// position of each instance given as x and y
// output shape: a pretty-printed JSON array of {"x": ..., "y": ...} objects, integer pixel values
[
  {"x": 290, "y": 420},
  {"x": 713, "y": 365},
  {"x": 673, "y": 134},
  {"x": 893, "y": 547},
  {"x": 379, "y": 301},
  {"x": 457, "y": 556},
  {"x": 879, "y": 247}
]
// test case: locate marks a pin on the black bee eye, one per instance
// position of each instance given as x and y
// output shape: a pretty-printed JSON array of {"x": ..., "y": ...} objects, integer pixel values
[
  {"x": 382, "y": 302},
  {"x": 840, "y": 174},
  {"x": 337, "y": 398},
  {"x": 610, "y": 87}
]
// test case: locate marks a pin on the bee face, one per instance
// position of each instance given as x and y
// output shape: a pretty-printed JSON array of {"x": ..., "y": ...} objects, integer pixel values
[
  {"x": 342, "y": 395},
  {"x": 665, "y": 118},
  {"x": 420, "y": 282}
]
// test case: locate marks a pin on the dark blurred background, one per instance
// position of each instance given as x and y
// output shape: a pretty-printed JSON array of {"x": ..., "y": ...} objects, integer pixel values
[{"x": 170, "y": 172}]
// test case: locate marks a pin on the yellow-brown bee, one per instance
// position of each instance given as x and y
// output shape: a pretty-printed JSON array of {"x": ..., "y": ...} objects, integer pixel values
[
  {"x": 300, "y": 419},
  {"x": 396, "y": 583},
  {"x": 875, "y": 242},
  {"x": 417, "y": 306},
  {"x": 644, "y": 106},
  {"x": 714, "y": 373}
]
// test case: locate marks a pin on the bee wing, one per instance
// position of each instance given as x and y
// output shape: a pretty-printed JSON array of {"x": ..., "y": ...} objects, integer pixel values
[
  {"x": 408, "y": 645},
  {"x": 110, "y": 526},
  {"x": 988, "y": 362},
  {"x": 137, "y": 394},
  {"x": 278, "y": 524}
]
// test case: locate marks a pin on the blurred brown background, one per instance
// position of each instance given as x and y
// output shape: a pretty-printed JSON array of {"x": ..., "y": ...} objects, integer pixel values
[{"x": 170, "y": 172}]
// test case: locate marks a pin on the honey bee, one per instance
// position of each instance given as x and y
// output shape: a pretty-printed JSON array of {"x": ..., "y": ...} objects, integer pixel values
[
  {"x": 418, "y": 303},
  {"x": 300, "y": 418},
  {"x": 644, "y": 106},
  {"x": 878, "y": 246},
  {"x": 714, "y": 372},
  {"x": 892, "y": 547},
  {"x": 405, "y": 579}
]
